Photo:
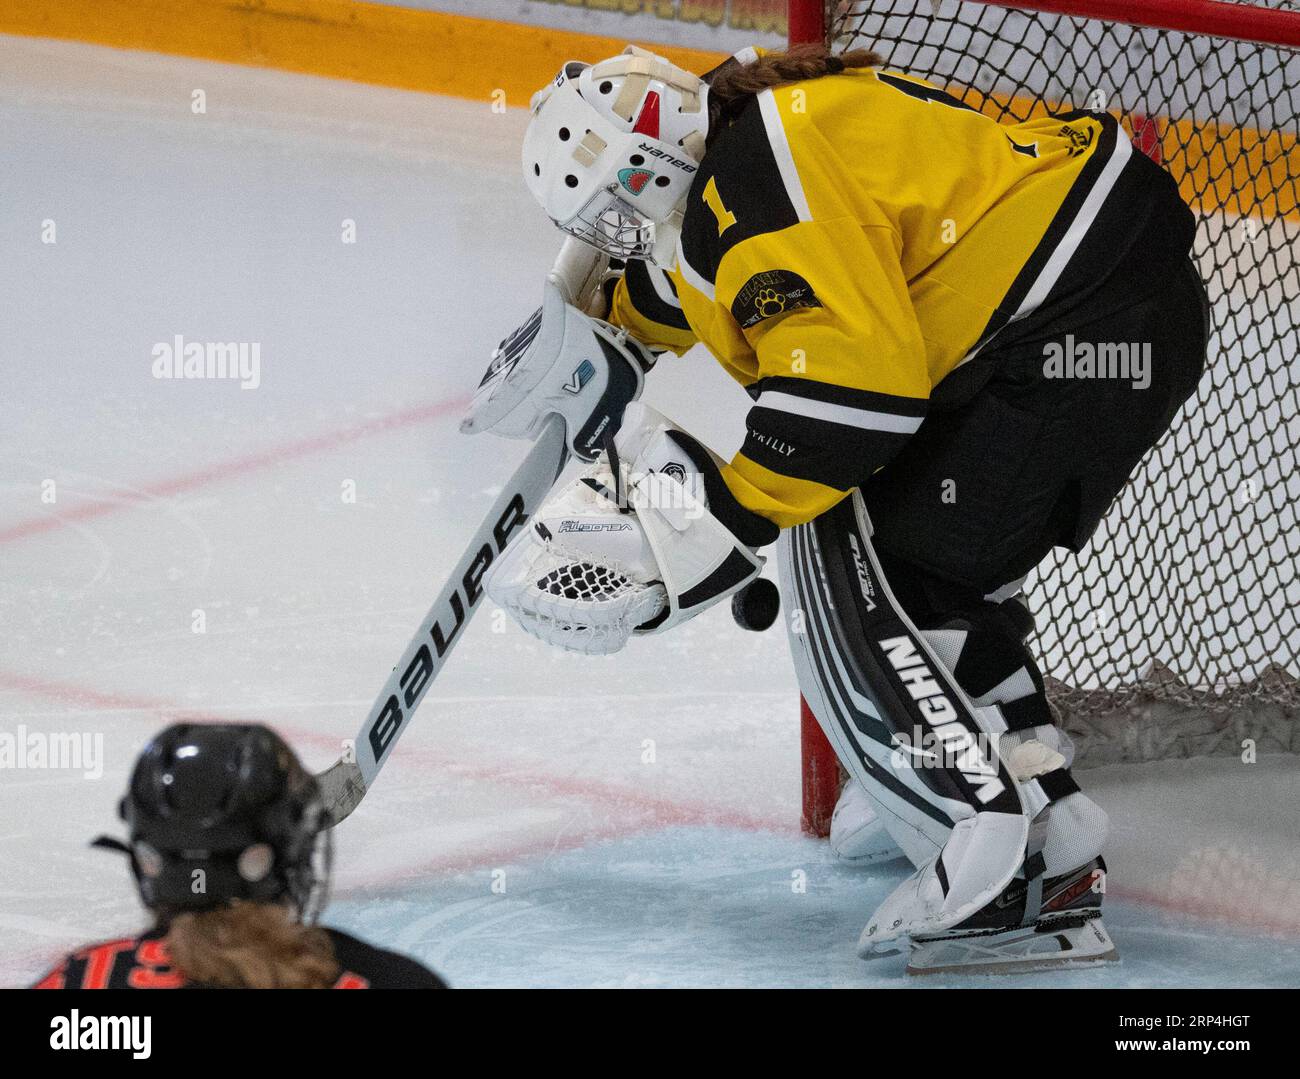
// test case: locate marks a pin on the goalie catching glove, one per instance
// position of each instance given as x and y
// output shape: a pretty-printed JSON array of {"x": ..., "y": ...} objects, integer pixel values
[{"x": 644, "y": 539}]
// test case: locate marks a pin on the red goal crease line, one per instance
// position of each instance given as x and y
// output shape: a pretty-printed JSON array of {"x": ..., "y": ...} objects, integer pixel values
[{"x": 434, "y": 52}]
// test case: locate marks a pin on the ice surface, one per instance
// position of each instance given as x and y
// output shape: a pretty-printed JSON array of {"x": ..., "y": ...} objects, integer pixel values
[{"x": 549, "y": 820}]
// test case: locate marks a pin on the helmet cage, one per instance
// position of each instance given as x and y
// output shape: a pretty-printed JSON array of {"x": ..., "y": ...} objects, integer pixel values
[{"x": 613, "y": 225}]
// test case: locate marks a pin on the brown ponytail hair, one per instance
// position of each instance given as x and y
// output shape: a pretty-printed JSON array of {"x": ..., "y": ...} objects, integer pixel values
[
  {"x": 251, "y": 946},
  {"x": 734, "y": 83}
]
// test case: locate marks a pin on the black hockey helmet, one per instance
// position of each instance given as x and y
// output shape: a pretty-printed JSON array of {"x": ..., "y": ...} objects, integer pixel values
[{"x": 218, "y": 812}]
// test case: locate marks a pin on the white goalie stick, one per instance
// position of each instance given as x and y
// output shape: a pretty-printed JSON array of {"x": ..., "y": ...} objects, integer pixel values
[
  {"x": 346, "y": 781},
  {"x": 562, "y": 381}
]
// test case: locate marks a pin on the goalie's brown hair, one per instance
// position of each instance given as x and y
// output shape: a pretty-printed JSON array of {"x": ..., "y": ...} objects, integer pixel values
[
  {"x": 251, "y": 946},
  {"x": 734, "y": 84}
]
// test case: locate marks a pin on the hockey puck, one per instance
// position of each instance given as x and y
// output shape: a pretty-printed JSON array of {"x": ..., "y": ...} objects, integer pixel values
[{"x": 756, "y": 605}]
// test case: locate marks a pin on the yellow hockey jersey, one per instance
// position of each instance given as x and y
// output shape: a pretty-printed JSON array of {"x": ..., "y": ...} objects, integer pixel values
[{"x": 847, "y": 243}]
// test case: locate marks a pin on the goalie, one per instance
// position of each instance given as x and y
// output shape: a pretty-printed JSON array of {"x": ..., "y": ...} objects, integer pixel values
[{"x": 892, "y": 276}]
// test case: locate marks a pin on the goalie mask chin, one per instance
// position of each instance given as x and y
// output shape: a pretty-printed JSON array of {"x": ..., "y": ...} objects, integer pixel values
[
  {"x": 609, "y": 223},
  {"x": 612, "y": 148},
  {"x": 643, "y": 540}
]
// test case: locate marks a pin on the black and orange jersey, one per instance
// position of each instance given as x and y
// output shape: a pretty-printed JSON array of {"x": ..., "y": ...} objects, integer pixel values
[
  {"x": 851, "y": 241},
  {"x": 144, "y": 963}
]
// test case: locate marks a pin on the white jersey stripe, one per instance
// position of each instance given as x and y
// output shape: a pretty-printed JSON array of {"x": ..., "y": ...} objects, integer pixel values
[
  {"x": 784, "y": 158},
  {"x": 1078, "y": 227},
  {"x": 1069, "y": 244},
  {"x": 864, "y": 418}
]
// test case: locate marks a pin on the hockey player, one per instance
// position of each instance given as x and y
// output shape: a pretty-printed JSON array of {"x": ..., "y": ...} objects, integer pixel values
[
  {"x": 225, "y": 830},
  {"x": 960, "y": 337}
]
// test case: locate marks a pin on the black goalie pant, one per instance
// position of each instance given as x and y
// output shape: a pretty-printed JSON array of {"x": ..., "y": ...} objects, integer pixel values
[{"x": 976, "y": 499}]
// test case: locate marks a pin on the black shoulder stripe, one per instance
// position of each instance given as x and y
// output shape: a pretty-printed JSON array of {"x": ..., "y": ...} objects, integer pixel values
[
  {"x": 641, "y": 291},
  {"x": 729, "y": 64},
  {"x": 749, "y": 185}
]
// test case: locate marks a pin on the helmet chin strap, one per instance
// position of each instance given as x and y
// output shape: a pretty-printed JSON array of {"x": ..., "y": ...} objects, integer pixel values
[{"x": 663, "y": 252}]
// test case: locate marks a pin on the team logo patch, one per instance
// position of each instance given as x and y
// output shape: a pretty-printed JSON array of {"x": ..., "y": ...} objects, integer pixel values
[
  {"x": 635, "y": 179},
  {"x": 769, "y": 294}
]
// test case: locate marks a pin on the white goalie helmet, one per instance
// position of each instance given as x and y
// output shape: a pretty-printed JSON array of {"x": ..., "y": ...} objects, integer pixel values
[{"x": 611, "y": 150}]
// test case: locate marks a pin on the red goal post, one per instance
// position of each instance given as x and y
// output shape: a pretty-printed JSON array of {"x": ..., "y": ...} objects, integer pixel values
[
  {"x": 810, "y": 19},
  {"x": 1193, "y": 647}
]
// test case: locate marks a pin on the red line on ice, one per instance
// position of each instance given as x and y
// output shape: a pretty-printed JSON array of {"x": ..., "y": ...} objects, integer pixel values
[
  {"x": 1230, "y": 910},
  {"x": 661, "y": 811},
  {"x": 233, "y": 468},
  {"x": 65, "y": 693},
  {"x": 655, "y": 811}
]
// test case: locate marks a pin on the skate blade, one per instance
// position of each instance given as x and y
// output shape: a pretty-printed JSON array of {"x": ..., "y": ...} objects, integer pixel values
[{"x": 1015, "y": 951}]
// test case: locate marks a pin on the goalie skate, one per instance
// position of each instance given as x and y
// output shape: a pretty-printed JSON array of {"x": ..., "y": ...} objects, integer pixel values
[{"x": 1068, "y": 933}]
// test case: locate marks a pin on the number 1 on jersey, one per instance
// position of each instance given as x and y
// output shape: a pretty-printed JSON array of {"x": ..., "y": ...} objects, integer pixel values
[{"x": 714, "y": 202}]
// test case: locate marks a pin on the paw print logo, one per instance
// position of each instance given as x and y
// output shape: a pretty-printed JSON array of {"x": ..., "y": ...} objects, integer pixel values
[{"x": 769, "y": 302}]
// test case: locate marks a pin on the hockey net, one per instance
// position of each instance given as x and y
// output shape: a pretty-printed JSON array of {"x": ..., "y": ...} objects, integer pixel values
[{"x": 1174, "y": 633}]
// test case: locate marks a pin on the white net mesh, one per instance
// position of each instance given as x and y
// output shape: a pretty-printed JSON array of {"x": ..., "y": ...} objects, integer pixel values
[
  {"x": 584, "y": 581},
  {"x": 1185, "y": 601}
]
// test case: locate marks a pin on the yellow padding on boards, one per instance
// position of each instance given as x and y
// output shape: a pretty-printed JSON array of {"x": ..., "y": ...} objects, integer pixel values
[{"x": 345, "y": 39}]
